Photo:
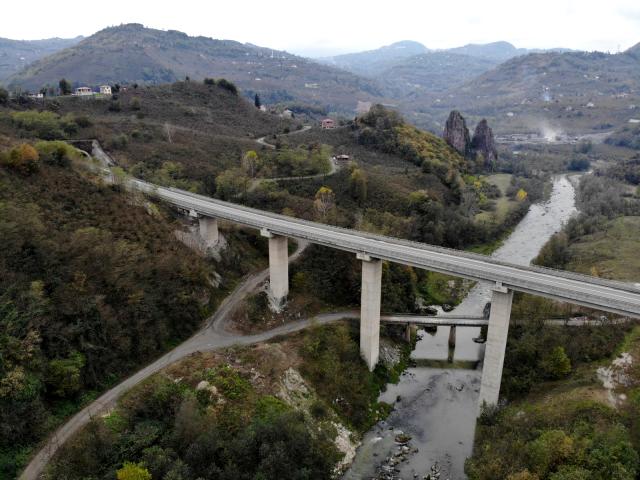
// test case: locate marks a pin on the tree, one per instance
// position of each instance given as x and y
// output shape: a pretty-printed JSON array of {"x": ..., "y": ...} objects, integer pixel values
[
  {"x": 4, "y": 96},
  {"x": 63, "y": 375},
  {"x": 324, "y": 202},
  {"x": 358, "y": 185},
  {"x": 556, "y": 364},
  {"x": 231, "y": 183},
  {"x": 256, "y": 101},
  {"x": 521, "y": 195},
  {"x": 65, "y": 86},
  {"x": 133, "y": 471},
  {"x": 250, "y": 163},
  {"x": 23, "y": 158}
]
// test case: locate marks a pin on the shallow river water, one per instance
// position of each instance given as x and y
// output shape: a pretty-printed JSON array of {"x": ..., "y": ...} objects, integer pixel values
[{"x": 437, "y": 406}]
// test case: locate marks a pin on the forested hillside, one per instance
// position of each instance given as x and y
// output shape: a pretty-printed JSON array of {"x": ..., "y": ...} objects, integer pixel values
[
  {"x": 93, "y": 284},
  {"x": 130, "y": 54}
]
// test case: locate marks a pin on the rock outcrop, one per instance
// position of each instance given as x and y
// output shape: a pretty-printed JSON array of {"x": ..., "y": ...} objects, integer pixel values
[
  {"x": 484, "y": 143},
  {"x": 456, "y": 133}
]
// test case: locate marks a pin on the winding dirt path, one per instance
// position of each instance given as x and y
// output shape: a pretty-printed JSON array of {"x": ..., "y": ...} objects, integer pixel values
[{"x": 212, "y": 336}]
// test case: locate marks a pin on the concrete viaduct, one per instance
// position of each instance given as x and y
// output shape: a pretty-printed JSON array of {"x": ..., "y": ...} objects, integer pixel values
[{"x": 616, "y": 297}]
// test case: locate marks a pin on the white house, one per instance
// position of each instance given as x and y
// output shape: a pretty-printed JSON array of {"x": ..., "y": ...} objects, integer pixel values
[
  {"x": 105, "y": 89},
  {"x": 83, "y": 91}
]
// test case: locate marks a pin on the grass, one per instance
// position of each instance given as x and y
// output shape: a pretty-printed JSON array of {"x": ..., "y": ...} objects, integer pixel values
[
  {"x": 503, "y": 204},
  {"x": 611, "y": 253}
]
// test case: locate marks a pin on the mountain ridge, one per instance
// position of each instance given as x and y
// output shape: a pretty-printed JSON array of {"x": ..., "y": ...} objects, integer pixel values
[{"x": 132, "y": 53}]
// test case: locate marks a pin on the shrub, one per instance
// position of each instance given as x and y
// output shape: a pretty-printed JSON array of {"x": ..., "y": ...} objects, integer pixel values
[
  {"x": 556, "y": 364},
  {"x": 45, "y": 125},
  {"x": 56, "y": 152},
  {"x": 4, "y": 96},
  {"x": 23, "y": 159},
  {"x": 115, "y": 105},
  {"x": 135, "y": 104},
  {"x": 209, "y": 81},
  {"x": 227, "y": 85}
]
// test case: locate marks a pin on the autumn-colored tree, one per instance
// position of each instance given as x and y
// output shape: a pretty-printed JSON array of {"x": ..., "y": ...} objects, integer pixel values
[
  {"x": 23, "y": 158},
  {"x": 325, "y": 202},
  {"x": 133, "y": 471},
  {"x": 521, "y": 195},
  {"x": 250, "y": 162}
]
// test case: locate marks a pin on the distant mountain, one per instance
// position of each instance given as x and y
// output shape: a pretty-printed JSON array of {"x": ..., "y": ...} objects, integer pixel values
[
  {"x": 373, "y": 62},
  {"x": 635, "y": 50},
  {"x": 496, "y": 51},
  {"x": 16, "y": 54},
  {"x": 134, "y": 54},
  {"x": 579, "y": 91},
  {"x": 431, "y": 72}
]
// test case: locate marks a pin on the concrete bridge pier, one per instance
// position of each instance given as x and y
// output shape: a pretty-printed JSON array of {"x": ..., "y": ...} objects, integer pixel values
[
  {"x": 496, "y": 345},
  {"x": 209, "y": 230},
  {"x": 371, "y": 291},
  {"x": 278, "y": 266}
]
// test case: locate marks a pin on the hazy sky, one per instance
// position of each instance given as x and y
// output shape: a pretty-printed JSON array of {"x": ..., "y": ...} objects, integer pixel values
[{"x": 314, "y": 27}]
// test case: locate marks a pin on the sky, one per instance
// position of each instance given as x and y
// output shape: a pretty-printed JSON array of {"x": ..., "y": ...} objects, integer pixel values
[{"x": 329, "y": 27}]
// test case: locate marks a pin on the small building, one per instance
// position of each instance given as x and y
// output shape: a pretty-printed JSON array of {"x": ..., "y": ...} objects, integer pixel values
[
  {"x": 36, "y": 96},
  {"x": 287, "y": 114},
  {"x": 83, "y": 91},
  {"x": 342, "y": 158},
  {"x": 328, "y": 123},
  {"x": 105, "y": 89}
]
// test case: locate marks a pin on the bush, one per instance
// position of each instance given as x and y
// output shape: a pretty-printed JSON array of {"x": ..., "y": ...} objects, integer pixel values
[
  {"x": 44, "y": 125},
  {"x": 135, "y": 104},
  {"x": 4, "y": 96},
  {"x": 227, "y": 85},
  {"x": 23, "y": 159},
  {"x": 56, "y": 152},
  {"x": 209, "y": 81}
]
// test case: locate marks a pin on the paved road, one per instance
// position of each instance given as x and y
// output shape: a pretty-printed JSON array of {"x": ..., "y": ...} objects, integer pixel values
[{"x": 593, "y": 292}]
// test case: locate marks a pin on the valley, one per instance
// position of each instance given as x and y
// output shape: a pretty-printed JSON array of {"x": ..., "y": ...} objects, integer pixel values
[{"x": 227, "y": 261}]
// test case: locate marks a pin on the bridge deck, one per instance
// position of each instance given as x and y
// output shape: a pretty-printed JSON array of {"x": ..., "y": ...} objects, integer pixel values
[{"x": 617, "y": 297}]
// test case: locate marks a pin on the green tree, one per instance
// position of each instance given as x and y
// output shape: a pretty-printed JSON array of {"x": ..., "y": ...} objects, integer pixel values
[
  {"x": 250, "y": 162},
  {"x": 63, "y": 375},
  {"x": 256, "y": 101},
  {"x": 358, "y": 185},
  {"x": 231, "y": 183},
  {"x": 65, "y": 86},
  {"x": 4, "y": 96},
  {"x": 133, "y": 471},
  {"x": 556, "y": 364}
]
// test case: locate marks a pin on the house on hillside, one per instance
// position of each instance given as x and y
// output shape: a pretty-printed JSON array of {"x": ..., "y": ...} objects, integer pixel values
[
  {"x": 287, "y": 114},
  {"x": 328, "y": 123},
  {"x": 342, "y": 158},
  {"x": 105, "y": 89},
  {"x": 83, "y": 91}
]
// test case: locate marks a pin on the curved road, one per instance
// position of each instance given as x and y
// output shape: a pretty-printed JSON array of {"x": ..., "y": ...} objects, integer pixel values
[
  {"x": 262, "y": 141},
  {"x": 211, "y": 337}
]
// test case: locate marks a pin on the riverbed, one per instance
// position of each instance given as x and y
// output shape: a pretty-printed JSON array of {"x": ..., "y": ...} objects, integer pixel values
[{"x": 435, "y": 402}]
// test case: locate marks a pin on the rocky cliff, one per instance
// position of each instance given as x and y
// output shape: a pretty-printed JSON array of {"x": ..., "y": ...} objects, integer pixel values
[
  {"x": 456, "y": 133},
  {"x": 484, "y": 143}
]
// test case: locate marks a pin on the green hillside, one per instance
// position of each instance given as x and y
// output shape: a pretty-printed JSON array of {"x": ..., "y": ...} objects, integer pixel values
[{"x": 130, "y": 54}]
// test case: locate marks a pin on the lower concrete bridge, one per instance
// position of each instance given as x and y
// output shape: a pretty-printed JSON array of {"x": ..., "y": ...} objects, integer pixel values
[{"x": 616, "y": 297}]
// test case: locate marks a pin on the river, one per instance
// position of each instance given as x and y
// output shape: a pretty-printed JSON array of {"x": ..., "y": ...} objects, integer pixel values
[{"x": 435, "y": 402}]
